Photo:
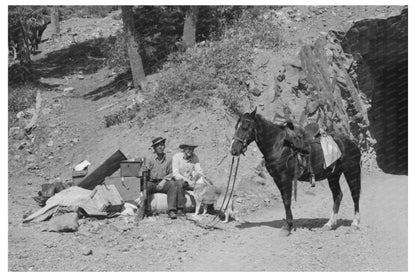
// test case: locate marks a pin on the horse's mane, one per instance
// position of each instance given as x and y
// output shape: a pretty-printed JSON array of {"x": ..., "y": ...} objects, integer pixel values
[{"x": 269, "y": 124}]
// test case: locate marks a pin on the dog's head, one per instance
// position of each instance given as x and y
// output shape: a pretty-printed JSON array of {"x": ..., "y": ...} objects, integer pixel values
[{"x": 197, "y": 177}]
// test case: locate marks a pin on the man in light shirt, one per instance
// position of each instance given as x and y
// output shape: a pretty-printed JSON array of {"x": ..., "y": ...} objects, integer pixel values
[
  {"x": 185, "y": 167},
  {"x": 186, "y": 164}
]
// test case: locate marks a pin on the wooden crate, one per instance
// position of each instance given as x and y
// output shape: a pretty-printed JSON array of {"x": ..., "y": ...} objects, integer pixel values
[
  {"x": 130, "y": 168},
  {"x": 128, "y": 187}
]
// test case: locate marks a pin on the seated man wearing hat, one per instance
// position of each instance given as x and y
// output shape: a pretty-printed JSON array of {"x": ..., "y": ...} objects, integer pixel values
[
  {"x": 185, "y": 165},
  {"x": 160, "y": 178}
]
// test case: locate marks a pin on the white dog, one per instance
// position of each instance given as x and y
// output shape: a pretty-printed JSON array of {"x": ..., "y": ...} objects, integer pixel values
[{"x": 206, "y": 193}]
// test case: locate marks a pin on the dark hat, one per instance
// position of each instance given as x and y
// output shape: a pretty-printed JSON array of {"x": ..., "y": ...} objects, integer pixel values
[
  {"x": 158, "y": 141},
  {"x": 189, "y": 143}
]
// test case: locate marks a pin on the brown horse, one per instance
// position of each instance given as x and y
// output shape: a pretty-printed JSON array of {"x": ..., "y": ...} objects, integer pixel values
[{"x": 281, "y": 162}]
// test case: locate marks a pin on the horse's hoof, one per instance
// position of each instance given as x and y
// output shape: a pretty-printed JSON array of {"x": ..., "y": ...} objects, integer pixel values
[
  {"x": 284, "y": 233},
  {"x": 355, "y": 227},
  {"x": 328, "y": 227}
]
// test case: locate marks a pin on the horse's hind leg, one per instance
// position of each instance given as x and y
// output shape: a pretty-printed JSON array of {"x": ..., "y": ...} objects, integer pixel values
[
  {"x": 333, "y": 182},
  {"x": 353, "y": 177},
  {"x": 285, "y": 188}
]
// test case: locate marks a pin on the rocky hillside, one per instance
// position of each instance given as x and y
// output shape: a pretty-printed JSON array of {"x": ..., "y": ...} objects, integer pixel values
[
  {"x": 343, "y": 61},
  {"x": 327, "y": 64}
]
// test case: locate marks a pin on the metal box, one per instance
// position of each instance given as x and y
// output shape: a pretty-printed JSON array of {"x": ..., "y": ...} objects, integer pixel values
[{"x": 130, "y": 168}]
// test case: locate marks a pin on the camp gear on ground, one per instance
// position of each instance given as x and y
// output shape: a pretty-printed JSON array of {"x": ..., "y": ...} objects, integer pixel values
[
  {"x": 130, "y": 168},
  {"x": 101, "y": 201},
  {"x": 111, "y": 165},
  {"x": 128, "y": 187},
  {"x": 50, "y": 189},
  {"x": 67, "y": 222},
  {"x": 158, "y": 202}
]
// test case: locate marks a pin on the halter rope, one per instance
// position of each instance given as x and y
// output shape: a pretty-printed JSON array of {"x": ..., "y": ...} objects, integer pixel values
[{"x": 208, "y": 226}]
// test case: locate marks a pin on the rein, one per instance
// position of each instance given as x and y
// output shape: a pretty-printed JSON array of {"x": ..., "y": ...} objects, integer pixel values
[{"x": 208, "y": 226}]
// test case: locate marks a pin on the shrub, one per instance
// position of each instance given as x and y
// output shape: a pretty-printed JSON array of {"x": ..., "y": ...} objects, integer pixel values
[
  {"x": 19, "y": 99},
  {"x": 216, "y": 68},
  {"x": 115, "y": 51},
  {"x": 257, "y": 27},
  {"x": 121, "y": 116}
]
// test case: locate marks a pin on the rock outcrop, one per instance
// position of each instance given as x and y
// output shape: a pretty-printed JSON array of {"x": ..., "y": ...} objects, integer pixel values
[
  {"x": 380, "y": 51},
  {"x": 356, "y": 82}
]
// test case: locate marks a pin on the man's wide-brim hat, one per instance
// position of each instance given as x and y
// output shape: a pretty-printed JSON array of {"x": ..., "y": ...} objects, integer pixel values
[
  {"x": 157, "y": 141},
  {"x": 188, "y": 143}
]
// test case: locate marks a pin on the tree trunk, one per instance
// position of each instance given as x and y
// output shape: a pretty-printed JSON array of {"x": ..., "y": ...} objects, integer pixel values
[
  {"x": 55, "y": 21},
  {"x": 133, "y": 48},
  {"x": 189, "y": 28},
  {"x": 24, "y": 51}
]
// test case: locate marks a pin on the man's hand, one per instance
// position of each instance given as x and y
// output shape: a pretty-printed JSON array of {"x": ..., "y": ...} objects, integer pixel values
[
  {"x": 161, "y": 185},
  {"x": 190, "y": 184}
]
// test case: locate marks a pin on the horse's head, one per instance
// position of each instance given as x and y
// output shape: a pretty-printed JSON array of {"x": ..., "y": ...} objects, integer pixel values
[{"x": 245, "y": 133}]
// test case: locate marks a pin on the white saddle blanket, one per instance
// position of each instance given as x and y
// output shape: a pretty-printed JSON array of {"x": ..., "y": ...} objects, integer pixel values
[{"x": 330, "y": 149}]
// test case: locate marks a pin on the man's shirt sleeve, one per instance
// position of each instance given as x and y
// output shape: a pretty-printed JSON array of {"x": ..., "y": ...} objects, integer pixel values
[{"x": 176, "y": 165}]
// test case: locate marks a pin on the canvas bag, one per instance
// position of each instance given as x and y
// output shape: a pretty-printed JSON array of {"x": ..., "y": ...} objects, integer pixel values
[{"x": 330, "y": 149}]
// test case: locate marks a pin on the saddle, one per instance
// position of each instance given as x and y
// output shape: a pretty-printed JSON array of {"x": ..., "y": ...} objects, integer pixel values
[
  {"x": 311, "y": 131},
  {"x": 301, "y": 140}
]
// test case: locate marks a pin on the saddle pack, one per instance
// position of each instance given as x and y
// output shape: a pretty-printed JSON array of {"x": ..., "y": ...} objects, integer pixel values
[{"x": 301, "y": 140}]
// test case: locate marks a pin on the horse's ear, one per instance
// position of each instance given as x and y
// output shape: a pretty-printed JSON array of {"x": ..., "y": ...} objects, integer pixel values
[
  {"x": 253, "y": 113},
  {"x": 238, "y": 112},
  {"x": 290, "y": 125}
]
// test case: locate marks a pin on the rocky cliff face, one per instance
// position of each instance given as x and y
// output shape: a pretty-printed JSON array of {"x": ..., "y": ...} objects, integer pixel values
[
  {"x": 356, "y": 82},
  {"x": 379, "y": 48}
]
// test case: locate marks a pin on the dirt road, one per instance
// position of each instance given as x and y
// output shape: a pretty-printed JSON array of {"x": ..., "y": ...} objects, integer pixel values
[
  {"x": 160, "y": 244},
  {"x": 379, "y": 245}
]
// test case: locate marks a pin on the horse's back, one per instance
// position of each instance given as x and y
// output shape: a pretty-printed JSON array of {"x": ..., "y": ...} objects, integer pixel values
[{"x": 349, "y": 149}]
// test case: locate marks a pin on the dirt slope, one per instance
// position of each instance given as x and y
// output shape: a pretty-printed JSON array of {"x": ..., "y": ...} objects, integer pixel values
[{"x": 71, "y": 129}]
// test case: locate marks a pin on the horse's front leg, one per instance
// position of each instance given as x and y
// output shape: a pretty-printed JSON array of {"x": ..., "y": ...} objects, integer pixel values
[{"x": 285, "y": 188}]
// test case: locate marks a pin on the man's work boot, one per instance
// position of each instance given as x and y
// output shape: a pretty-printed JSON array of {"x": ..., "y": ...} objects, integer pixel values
[
  {"x": 181, "y": 213},
  {"x": 172, "y": 214}
]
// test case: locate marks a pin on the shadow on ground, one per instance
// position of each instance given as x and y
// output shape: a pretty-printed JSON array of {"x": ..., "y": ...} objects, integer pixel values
[
  {"x": 120, "y": 83},
  {"x": 303, "y": 223},
  {"x": 86, "y": 57}
]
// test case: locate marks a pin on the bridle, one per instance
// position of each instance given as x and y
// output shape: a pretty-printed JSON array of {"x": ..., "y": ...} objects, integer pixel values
[{"x": 245, "y": 139}]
